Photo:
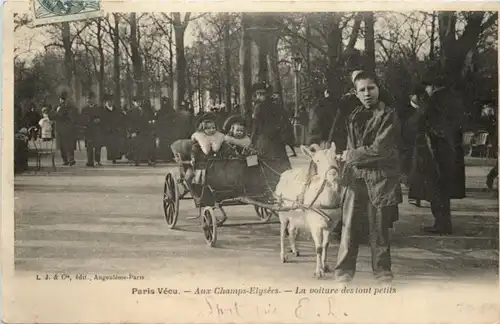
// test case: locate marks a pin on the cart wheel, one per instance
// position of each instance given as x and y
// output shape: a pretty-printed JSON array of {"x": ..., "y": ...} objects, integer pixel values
[
  {"x": 209, "y": 225},
  {"x": 170, "y": 200},
  {"x": 264, "y": 213}
]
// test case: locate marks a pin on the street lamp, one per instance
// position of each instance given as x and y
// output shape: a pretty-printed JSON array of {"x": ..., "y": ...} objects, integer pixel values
[
  {"x": 297, "y": 65},
  {"x": 298, "y": 129}
]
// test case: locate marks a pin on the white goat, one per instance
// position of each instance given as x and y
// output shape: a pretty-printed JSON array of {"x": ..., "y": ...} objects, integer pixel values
[{"x": 323, "y": 191}]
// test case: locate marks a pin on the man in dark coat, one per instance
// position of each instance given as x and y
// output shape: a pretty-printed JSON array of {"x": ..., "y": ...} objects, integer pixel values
[
  {"x": 164, "y": 129},
  {"x": 438, "y": 171},
  {"x": 65, "y": 117},
  {"x": 112, "y": 123},
  {"x": 269, "y": 133},
  {"x": 328, "y": 119},
  {"x": 91, "y": 117},
  {"x": 150, "y": 135},
  {"x": 138, "y": 124}
]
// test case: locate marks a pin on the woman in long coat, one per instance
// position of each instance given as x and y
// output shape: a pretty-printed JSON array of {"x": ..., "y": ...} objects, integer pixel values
[
  {"x": 438, "y": 169},
  {"x": 269, "y": 133}
]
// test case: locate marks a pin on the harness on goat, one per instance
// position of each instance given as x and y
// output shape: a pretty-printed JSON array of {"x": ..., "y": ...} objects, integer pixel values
[{"x": 300, "y": 200}]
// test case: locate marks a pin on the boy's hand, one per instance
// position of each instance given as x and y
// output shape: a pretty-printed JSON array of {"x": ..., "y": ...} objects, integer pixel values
[
  {"x": 343, "y": 157},
  {"x": 193, "y": 162}
]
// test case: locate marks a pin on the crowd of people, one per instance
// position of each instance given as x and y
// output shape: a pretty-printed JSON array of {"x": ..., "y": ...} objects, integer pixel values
[
  {"x": 419, "y": 145},
  {"x": 139, "y": 133}
]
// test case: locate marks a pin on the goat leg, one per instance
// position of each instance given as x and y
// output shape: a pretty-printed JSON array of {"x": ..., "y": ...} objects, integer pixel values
[
  {"x": 283, "y": 228},
  {"x": 326, "y": 236},
  {"x": 317, "y": 235},
  {"x": 293, "y": 237}
]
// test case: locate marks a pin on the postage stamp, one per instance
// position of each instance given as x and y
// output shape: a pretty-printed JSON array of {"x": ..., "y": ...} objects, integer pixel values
[{"x": 55, "y": 11}]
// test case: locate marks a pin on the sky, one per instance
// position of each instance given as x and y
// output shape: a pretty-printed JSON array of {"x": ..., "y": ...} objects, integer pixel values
[{"x": 29, "y": 41}]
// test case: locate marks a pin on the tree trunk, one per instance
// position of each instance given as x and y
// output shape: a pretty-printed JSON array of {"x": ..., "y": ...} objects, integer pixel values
[
  {"x": 433, "y": 36},
  {"x": 227, "y": 63},
  {"x": 334, "y": 39},
  {"x": 308, "y": 46},
  {"x": 274, "y": 76},
  {"x": 116, "y": 60},
  {"x": 245, "y": 67},
  {"x": 68, "y": 56},
  {"x": 454, "y": 51},
  {"x": 101, "y": 60},
  {"x": 262, "y": 74},
  {"x": 370, "y": 41},
  {"x": 171, "y": 61},
  {"x": 180, "y": 66},
  {"x": 136, "y": 59}
]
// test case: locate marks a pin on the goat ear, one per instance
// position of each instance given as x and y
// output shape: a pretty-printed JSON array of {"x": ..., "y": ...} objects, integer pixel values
[
  {"x": 333, "y": 147},
  {"x": 306, "y": 151}
]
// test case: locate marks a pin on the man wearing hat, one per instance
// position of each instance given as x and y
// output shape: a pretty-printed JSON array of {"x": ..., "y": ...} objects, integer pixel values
[
  {"x": 138, "y": 124},
  {"x": 439, "y": 172},
  {"x": 65, "y": 117},
  {"x": 269, "y": 131},
  {"x": 112, "y": 124},
  {"x": 91, "y": 117}
]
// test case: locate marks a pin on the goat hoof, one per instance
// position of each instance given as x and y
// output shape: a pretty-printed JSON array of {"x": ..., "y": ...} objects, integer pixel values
[
  {"x": 296, "y": 253},
  {"x": 283, "y": 258},
  {"x": 319, "y": 274},
  {"x": 326, "y": 269}
]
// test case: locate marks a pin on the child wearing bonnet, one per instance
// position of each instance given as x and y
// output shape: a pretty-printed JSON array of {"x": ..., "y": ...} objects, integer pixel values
[
  {"x": 236, "y": 134},
  {"x": 206, "y": 140}
]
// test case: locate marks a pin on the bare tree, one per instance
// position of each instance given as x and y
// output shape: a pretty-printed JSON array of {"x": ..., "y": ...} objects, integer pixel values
[
  {"x": 245, "y": 66},
  {"x": 454, "y": 49}
]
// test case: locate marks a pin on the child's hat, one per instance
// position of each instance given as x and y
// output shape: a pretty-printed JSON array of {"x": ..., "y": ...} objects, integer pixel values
[
  {"x": 208, "y": 116},
  {"x": 231, "y": 120}
]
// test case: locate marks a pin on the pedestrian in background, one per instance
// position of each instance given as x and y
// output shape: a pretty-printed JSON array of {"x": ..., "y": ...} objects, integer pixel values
[
  {"x": 137, "y": 121},
  {"x": 438, "y": 173},
  {"x": 91, "y": 117},
  {"x": 269, "y": 132},
  {"x": 113, "y": 121},
  {"x": 66, "y": 122}
]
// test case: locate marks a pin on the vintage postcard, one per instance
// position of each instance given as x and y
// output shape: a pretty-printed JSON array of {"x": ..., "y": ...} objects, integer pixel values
[{"x": 244, "y": 162}]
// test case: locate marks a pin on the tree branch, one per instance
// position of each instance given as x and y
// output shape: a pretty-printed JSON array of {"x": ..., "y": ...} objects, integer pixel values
[{"x": 355, "y": 31}]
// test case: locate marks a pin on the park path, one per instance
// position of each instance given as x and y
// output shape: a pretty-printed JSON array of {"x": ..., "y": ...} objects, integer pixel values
[{"x": 110, "y": 220}]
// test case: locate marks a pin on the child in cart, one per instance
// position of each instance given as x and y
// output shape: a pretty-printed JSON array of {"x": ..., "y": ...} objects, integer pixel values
[
  {"x": 207, "y": 140},
  {"x": 236, "y": 136}
]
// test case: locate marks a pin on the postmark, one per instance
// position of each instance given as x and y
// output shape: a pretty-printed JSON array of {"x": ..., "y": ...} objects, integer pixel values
[{"x": 57, "y": 11}]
